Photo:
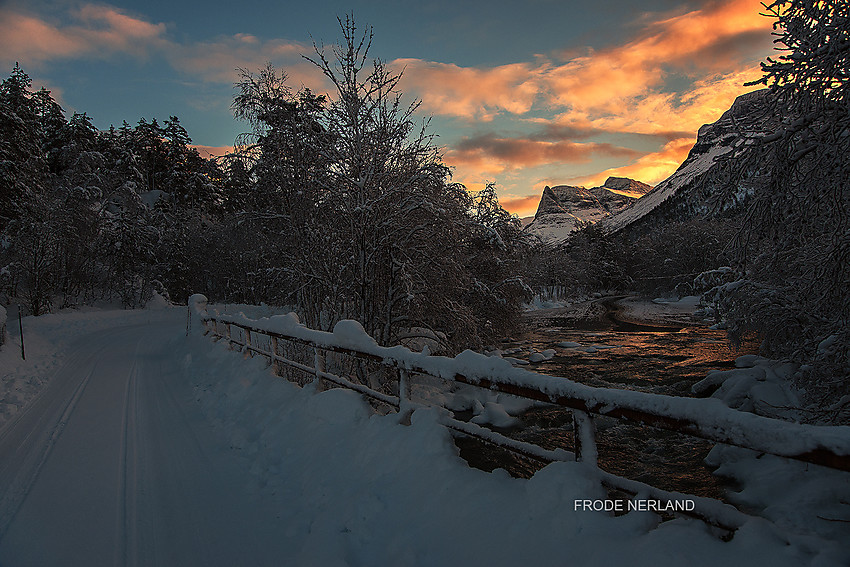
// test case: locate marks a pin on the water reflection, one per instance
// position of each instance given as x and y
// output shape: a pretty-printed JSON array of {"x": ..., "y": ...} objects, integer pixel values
[{"x": 607, "y": 353}]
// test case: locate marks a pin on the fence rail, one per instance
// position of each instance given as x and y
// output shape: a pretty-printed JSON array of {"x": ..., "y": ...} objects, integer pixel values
[{"x": 704, "y": 418}]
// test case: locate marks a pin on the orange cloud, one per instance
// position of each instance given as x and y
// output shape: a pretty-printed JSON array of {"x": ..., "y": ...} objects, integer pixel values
[
  {"x": 467, "y": 92},
  {"x": 98, "y": 31},
  {"x": 623, "y": 88},
  {"x": 721, "y": 39},
  {"x": 491, "y": 153},
  {"x": 101, "y": 31},
  {"x": 521, "y": 206},
  {"x": 650, "y": 169},
  {"x": 658, "y": 113}
]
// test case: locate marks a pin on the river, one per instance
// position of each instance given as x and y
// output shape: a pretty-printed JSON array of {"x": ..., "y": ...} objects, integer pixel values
[{"x": 618, "y": 343}]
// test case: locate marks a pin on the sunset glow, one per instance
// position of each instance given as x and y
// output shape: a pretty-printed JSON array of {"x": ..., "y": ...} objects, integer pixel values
[{"x": 523, "y": 109}]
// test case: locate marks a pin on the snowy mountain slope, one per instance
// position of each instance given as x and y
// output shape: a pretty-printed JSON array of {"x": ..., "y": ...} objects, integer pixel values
[
  {"x": 679, "y": 196},
  {"x": 564, "y": 207}
]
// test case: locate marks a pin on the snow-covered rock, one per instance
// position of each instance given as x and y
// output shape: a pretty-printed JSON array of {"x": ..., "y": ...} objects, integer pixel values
[
  {"x": 758, "y": 385},
  {"x": 495, "y": 414}
]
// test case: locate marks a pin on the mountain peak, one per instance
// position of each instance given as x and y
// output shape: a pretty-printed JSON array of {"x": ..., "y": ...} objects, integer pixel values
[
  {"x": 627, "y": 187},
  {"x": 563, "y": 208}
]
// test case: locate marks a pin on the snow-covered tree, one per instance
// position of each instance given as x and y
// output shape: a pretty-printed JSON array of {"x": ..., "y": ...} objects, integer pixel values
[
  {"x": 400, "y": 226},
  {"x": 357, "y": 211},
  {"x": 23, "y": 168},
  {"x": 795, "y": 251}
]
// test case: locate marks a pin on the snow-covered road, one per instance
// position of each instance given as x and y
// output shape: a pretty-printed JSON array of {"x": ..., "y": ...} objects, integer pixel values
[
  {"x": 111, "y": 466},
  {"x": 124, "y": 442}
]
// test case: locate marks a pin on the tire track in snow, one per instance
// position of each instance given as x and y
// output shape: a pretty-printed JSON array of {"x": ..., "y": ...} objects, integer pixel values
[
  {"x": 126, "y": 551},
  {"x": 19, "y": 487},
  {"x": 139, "y": 477}
]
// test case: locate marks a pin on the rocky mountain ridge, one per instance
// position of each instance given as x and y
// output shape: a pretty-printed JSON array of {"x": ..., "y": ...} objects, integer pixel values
[
  {"x": 625, "y": 204},
  {"x": 565, "y": 207},
  {"x": 688, "y": 193}
]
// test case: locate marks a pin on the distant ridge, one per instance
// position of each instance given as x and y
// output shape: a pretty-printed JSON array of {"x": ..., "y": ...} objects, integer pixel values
[{"x": 563, "y": 207}]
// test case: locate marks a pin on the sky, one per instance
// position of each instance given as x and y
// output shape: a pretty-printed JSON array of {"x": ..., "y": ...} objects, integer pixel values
[{"x": 522, "y": 94}]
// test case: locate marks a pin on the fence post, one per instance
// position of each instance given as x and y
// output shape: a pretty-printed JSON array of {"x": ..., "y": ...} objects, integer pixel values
[
  {"x": 405, "y": 408},
  {"x": 584, "y": 434},
  {"x": 319, "y": 366},
  {"x": 227, "y": 334},
  {"x": 248, "y": 343},
  {"x": 21, "y": 327},
  {"x": 275, "y": 363}
]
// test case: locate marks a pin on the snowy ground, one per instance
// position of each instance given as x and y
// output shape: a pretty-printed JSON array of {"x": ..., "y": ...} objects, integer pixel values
[{"x": 126, "y": 442}]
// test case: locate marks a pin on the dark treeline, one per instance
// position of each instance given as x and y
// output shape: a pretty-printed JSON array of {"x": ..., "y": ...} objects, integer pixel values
[
  {"x": 666, "y": 261},
  {"x": 340, "y": 207},
  {"x": 88, "y": 214}
]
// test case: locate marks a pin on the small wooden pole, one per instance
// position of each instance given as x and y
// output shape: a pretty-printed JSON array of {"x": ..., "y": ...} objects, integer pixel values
[
  {"x": 403, "y": 386},
  {"x": 405, "y": 409},
  {"x": 319, "y": 366},
  {"x": 584, "y": 434},
  {"x": 248, "y": 343},
  {"x": 275, "y": 363},
  {"x": 21, "y": 327}
]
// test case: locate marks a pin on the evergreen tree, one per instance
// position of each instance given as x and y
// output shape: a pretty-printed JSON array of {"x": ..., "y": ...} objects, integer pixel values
[{"x": 23, "y": 168}]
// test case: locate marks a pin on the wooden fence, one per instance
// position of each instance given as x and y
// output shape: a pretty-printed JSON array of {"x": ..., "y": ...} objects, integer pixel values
[{"x": 703, "y": 418}]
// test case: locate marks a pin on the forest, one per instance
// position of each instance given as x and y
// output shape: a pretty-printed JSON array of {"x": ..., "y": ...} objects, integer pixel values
[{"x": 343, "y": 207}]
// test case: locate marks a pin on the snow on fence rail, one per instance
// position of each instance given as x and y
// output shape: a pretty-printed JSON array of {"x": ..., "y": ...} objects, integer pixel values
[{"x": 705, "y": 418}]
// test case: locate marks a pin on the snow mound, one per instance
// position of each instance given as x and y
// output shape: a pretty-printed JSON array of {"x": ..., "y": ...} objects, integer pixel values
[
  {"x": 494, "y": 414},
  {"x": 758, "y": 385},
  {"x": 352, "y": 335},
  {"x": 157, "y": 302}
]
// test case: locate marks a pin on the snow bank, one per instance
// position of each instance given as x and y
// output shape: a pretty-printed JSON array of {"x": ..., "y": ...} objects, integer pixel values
[
  {"x": 664, "y": 310},
  {"x": 806, "y": 499},
  {"x": 539, "y": 302},
  {"x": 357, "y": 488}
]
